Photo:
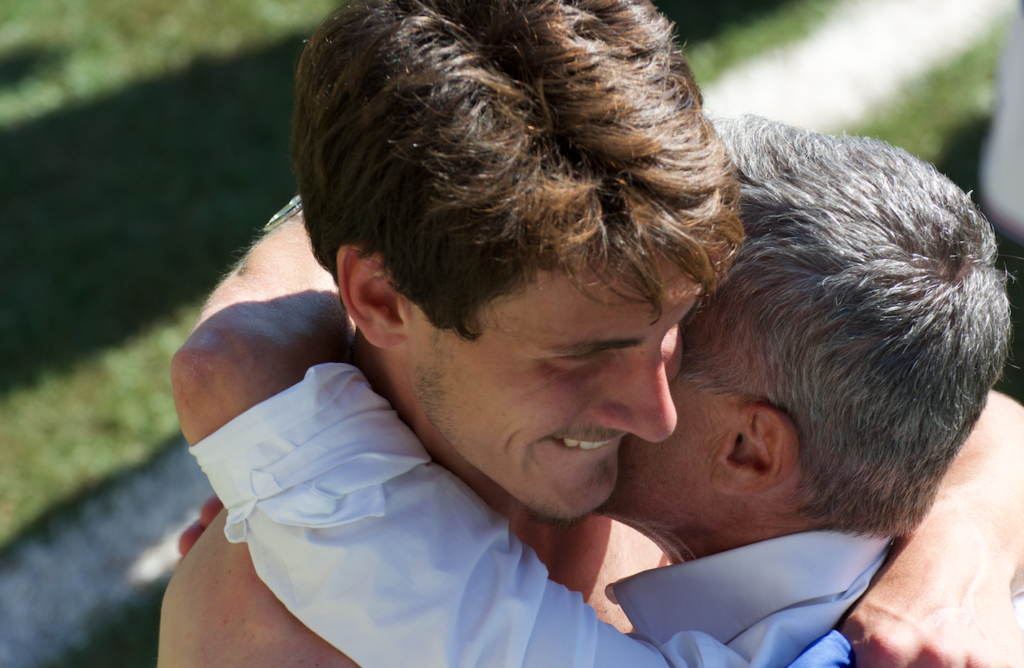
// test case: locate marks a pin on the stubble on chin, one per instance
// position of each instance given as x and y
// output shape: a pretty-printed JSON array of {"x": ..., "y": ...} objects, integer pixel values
[
  {"x": 604, "y": 475},
  {"x": 549, "y": 519}
]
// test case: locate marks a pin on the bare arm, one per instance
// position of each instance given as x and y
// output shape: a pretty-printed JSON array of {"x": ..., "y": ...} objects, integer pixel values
[
  {"x": 236, "y": 621},
  {"x": 274, "y": 316},
  {"x": 944, "y": 597}
]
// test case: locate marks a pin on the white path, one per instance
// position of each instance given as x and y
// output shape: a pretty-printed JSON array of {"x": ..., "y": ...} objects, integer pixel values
[
  {"x": 860, "y": 58},
  {"x": 126, "y": 539},
  {"x": 848, "y": 68}
]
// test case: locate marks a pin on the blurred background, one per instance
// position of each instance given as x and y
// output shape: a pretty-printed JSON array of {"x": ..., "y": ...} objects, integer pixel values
[{"x": 142, "y": 145}]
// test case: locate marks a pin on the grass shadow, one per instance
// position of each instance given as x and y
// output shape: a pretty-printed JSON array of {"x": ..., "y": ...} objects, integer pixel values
[
  {"x": 119, "y": 211},
  {"x": 128, "y": 638},
  {"x": 20, "y": 64},
  {"x": 699, "y": 20}
]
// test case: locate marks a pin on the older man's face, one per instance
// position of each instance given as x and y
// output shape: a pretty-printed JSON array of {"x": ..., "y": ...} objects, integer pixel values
[
  {"x": 669, "y": 483},
  {"x": 541, "y": 400}
]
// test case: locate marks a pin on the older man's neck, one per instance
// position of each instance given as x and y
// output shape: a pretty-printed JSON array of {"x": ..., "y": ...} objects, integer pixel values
[{"x": 714, "y": 523}]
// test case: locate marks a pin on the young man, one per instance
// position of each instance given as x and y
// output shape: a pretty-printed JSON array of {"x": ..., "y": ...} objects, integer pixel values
[
  {"x": 878, "y": 401},
  {"x": 519, "y": 201}
]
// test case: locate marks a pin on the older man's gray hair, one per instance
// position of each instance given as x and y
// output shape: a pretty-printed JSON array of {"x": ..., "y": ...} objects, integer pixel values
[{"x": 865, "y": 303}]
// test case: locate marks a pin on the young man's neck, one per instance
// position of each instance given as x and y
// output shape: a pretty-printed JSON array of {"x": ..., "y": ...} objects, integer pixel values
[{"x": 390, "y": 378}]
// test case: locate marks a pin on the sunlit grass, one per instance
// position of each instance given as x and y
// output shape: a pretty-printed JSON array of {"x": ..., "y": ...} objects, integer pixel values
[
  {"x": 72, "y": 431},
  {"x": 71, "y": 51},
  {"x": 114, "y": 190},
  {"x": 750, "y": 34}
]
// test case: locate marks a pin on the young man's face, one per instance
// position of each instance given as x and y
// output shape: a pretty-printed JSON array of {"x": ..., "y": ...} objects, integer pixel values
[{"x": 539, "y": 402}]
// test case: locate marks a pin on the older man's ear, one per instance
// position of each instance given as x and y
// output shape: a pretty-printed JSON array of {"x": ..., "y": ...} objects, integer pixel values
[{"x": 763, "y": 454}]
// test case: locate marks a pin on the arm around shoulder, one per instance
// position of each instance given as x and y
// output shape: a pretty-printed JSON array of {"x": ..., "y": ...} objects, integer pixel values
[
  {"x": 217, "y": 613},
  {"x": 944, "y": 598},
  {"x": 272, "y": 318}
]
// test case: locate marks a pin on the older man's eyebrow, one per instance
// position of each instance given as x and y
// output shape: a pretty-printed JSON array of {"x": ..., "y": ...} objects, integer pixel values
[{"x": 593, "y": 346}]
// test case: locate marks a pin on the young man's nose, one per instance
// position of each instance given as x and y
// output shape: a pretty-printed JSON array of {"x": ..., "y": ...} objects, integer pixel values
[{"x": 637, "y": 397}]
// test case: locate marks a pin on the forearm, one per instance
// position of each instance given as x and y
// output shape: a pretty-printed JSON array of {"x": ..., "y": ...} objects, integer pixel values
[
  {"x": 983, "y": 489},
  {"x": 946, "y": 590},
  {"x": 385, "y": 588},
  {"x": 274, "y": 316},
  {"x": 981, "y": 497},
  {"x": 218, "y": 614}
]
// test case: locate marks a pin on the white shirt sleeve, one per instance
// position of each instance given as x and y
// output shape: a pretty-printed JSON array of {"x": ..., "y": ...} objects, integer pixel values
[{"x": 392, "y": 559}]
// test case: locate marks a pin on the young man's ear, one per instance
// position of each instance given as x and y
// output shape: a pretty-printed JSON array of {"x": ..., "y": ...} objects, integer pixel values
[
  {"x": 379, "y": 313},
  {"x": 763, "y": 455}
]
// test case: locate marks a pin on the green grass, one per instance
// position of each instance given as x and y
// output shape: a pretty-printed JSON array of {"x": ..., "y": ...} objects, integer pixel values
[
  {"x": 942, "y": 117},
  {"x": 69, "y": 432},
  {"x": 71, "y": 51},
  {"x": 743, "y": 29},
  {"x": 143, "y": 144},
  {"x": 151, "y": 142}
]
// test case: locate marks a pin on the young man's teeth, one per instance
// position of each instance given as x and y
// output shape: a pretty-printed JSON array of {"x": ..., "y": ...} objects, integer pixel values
[{"x": 584, "y": 445}]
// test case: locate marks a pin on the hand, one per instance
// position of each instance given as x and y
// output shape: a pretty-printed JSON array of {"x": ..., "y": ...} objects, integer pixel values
[
  {"x": 944, "y": 604},
  {"x": 944, "y": 596},
  {"x": 974, "y": 636},
  {"x": 207, "y": 513}
]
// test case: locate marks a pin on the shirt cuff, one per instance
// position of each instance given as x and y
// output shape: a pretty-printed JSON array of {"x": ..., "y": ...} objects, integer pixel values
[{"x": 330, "y": 422}]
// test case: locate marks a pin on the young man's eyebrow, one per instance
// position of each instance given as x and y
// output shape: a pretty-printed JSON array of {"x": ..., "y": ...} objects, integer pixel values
[{"x": 594, "y": 346}]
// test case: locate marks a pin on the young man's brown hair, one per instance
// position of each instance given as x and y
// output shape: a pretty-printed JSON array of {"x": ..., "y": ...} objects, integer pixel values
[{"x": 472, "y": 143}]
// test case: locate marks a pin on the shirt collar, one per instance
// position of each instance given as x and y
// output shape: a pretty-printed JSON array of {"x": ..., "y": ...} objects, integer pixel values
[{"x": 726, "y": 593}]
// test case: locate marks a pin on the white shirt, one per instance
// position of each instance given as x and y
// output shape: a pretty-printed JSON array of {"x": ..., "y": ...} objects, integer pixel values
[
  {"x": 395, "y": 561},
  {"x": 767, "y": 600}
]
